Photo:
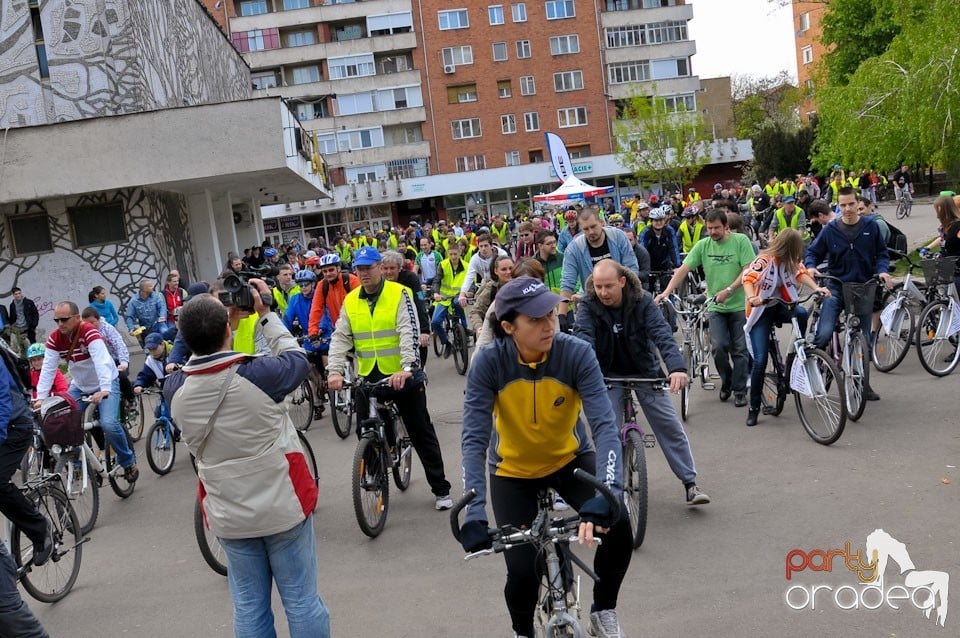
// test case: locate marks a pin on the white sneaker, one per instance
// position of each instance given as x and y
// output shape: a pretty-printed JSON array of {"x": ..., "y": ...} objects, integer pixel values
[
  {"x": 559, "y": 505},
  {"x": 444, "y": 502},
  {"x": 604, "y": 624}
]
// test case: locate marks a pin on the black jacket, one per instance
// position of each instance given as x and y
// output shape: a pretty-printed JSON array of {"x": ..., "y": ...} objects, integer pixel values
[
  {"x": 29, "y": 311},
  {"x": 412, "y": 282},
  {"x": 643, "y": 323}
]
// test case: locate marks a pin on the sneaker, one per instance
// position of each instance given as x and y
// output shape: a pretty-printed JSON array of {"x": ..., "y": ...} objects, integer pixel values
[
  {"x": 752, "y": 416},
  {"x": 696, "y": 497},
  {"x": 870, "y": 395},
  {"x": 739, "y": 399},
  {"x": 724, "y": 394},
  {"x": 444, "y": 502},
  {"x": 42, "y": 555},
  {"x": 447, "y": 350},
  {"x": 604, "y": 624},
  {"x": 131, "y": 474},
  {"x": 559, "y": 505}
]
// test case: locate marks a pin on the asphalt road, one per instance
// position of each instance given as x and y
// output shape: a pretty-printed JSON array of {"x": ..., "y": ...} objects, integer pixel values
[{"x": 719, "y": 570}]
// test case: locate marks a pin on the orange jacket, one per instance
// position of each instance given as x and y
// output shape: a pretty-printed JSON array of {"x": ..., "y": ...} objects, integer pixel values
[{"x": 333, "y": 301}]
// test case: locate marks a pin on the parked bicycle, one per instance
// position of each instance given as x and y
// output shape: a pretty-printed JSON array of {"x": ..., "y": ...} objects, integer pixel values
[
  {"x": 635, "y": 441},
  {"x": 897, "y": 329},
  {"x": 384, "y": 447},
  {"x": 162, "y": 438},
  {"x": 938, "y": 326},
  {"x": 557, "y": 613},
  {"x": 695, "y": 346}
]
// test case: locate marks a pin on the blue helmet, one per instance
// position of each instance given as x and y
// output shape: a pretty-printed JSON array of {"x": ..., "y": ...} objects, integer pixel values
[
  {"x": 305, "y": 276},
  {"x": 270, "y": 252},
  {"x": 36, "y": 350}
]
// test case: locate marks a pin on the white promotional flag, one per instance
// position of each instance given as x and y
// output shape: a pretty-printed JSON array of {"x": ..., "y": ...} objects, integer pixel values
[{"x": 559, "y": 157}]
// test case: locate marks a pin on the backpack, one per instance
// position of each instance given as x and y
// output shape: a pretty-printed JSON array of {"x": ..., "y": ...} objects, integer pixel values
[
  {"x": 346, "y": 284},
  {"x": 896, "y": 240},
  {"x": 61, "y": 420},
  {"x": 19, "y": 369}
]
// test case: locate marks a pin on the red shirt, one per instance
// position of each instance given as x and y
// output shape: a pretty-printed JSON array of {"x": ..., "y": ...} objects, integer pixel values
[{"x": 174, "y": 299}]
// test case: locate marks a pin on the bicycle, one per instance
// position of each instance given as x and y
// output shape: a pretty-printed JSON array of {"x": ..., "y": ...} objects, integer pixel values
[
  {"x": 813, "y": 378},
  {"x": 635, "y": 441},
  {"x": 384, "y": 445},
  {"x": 210, "y": 548},
  {"x": 557, "y": 612},
  {"x": 101, "y": 456},
  {"x": 53, "y": 580},
  {"x": 939, "y": 322},
  {"x": 162, "y": 438},
  {"x": 342, "y": 409},
  {"x": 904, "y": 202},
  {"x": 658, "y": 280},
  {"x": 695, "y": 346},
  {"x": 897, "y": 329},
  {"x": 133, "y": 417},
  {"x": 306, "y": 401},
  {"x": 456, "y": 334}
]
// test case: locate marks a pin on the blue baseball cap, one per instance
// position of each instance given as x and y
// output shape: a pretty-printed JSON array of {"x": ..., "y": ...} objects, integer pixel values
[
  {"x": 153, "y": 340},
  {"x": 527, "y": 296},
  {"x": 788, "y": 199},
  {"x": 367, "y": 256}
]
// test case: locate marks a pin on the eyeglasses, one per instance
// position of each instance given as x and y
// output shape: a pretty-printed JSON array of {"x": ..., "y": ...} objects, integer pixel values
[{"x": 63, "y": 319}]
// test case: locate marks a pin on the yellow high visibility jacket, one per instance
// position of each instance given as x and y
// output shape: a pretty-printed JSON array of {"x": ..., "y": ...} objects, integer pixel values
[{"x": 375, "y": 336}]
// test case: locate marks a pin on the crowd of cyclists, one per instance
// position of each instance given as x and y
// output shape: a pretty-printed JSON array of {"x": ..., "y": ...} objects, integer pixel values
[{"x": 557, "y": 299}]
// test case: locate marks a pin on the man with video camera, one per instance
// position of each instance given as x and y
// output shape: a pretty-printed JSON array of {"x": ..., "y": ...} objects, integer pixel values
[{"x": 233, "y": 414}]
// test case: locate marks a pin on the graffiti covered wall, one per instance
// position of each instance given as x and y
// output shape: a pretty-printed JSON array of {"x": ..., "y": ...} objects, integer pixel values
[
  {"x": 158, "y": 240},
  {"x": 108, "y": 57}
]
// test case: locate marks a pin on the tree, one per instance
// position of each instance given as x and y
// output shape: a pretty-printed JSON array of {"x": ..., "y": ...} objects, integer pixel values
[
  {"x": 659, "y": 144},
  {"x": 763, "y": 101},
  {"x": 901, "y": 106},
  {"x": 780, "y": 151}
]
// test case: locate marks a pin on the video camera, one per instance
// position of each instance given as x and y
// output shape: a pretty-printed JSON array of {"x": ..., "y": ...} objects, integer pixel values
[{"x": 237, "y": 292}]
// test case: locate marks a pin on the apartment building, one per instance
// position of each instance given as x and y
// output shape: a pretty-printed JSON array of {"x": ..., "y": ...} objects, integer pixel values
[{"x": 810, "y": 50}]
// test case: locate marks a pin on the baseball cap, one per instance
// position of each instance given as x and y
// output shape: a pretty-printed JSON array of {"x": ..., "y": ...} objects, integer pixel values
[
  {"x": 718, "y": 185},
  {"x": 527, "y": 296},
  {"x": 788, "y": 199},
  {"x": 270, "y": 252},
  {"x": 197, "y": 289},
  {"x": 152, "y": 341},
  {"x": 367, "y": 256}
]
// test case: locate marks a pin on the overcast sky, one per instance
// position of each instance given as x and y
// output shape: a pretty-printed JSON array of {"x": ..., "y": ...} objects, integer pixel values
[{"x": 744, "y": 37}]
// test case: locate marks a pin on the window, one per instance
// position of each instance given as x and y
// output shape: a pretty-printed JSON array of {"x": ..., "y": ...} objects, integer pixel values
[
  {"x": 531, "y": 121},
  {"x": 390, "y": 23},
  {"x": 351, "y": 66},
  {"x": 256, "y": 40},
  {"x": 807, "y": 53},
  {"x": 809, "y": 84},
  {"x": 457, "y": 19},
  {"x": 97, "y": 225},
  {"x": 253, "y": 7},
  {"x": 669, "y": 68},
  {"x": 523, "y": 49},
  {"x": 496, "y": 14},
  {"x": 576, "y": 152},
  {"x": 471, "y": 163},
  {"x": 568, "y": 81},
  {"x": 576, "y": 116},
  {"x": 508, "y": 124},
  {"x": 301, "y": 38},
  {"x": 295, "y": 4},
  {"x": 499, "y": 51},
  {"x": 512, "y": 158},
  {"x": 31, "y": 234},
  {"x": 804, "y": 22},
  {"x": 527, "y": 85},
  {"x": 519, "y": 11},
  {"x": 629, "y": 72},
  {"x": 642, "y": 34},
  {"x": 264, "y": 80},
  {"x": 535, "y": 156},
  {"x": 558, "y": 9},
  {"x": 463, "y": 129},
  {"x": 686, "y": 102},
  {"x": 457, "y": 55},
  {"x": 503, "y": 88},
  {"x": 306, "y": 74},
  {"x": 312, "y": 111},
  {"x": 461, "y": 94},
  {"x": 564, "y": 44},
  {"x": 360, "y": 139}
]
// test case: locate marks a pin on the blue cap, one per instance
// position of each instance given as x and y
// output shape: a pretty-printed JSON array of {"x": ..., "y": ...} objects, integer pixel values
[
  {"x": 367, "y": 256},
  {"x": 270, "y": 252},
  {"x": 152, "y": 341},
  {"x": 527, "y": 296},
  {"x": 788, "y": 199}
]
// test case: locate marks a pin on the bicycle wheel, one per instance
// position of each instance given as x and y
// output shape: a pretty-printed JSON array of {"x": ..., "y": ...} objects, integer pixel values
[
  {"x": 341, "y": 411},
  {"x": 31, "y": 465},
  {"x": 55, "y": 578},
  {"x": 161, "y": 449},
  {"x": 635, "y": 485},
  {"x": 823, "y": 413},
  {"x": 371, "y": 487},
  {"x": 685, "y": 392},
  {"x": 210, "y": 547},
  {"x": 437, "y": 345},
  {"x": 771, "y": 401},
  {"x": 461, "y": 352},
  {"x": 855, "y": 383},
  {"x": 938, "y": 351},
  {"x": 546, "y": 621},
  {"x": 134, "y": 418},
  {"x": 85, "y": 500},
  {"x": 118, "y": 480},
  {"x": 302, "y": 405},
  {"x": 311, "y": 457},
  {"x": 891, "y": 346},
  {"x": 703, "y": 350},
  {"x": 404, "y": 464}
]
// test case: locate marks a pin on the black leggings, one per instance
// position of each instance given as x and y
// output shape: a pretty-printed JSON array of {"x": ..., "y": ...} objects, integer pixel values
[{"x": 514, "y": 502}]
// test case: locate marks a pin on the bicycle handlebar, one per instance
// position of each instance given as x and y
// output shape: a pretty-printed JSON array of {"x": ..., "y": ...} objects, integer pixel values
[
  {"x": 774, "y": 301},
  {"x": 630, "y": 382}
]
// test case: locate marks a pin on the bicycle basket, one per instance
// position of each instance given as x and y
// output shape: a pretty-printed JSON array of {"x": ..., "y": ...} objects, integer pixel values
[
  {"x": 937, "y": 272},
  {"x": 858, "y": 298},
  {"x": 61, "y": 420}
]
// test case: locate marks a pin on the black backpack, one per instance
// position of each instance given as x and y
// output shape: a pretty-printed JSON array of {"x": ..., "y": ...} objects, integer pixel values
[
  {"x": 896, "y": 240},
  {"x": 346, "y": 284},
  {"x": 19, "y": 369}
]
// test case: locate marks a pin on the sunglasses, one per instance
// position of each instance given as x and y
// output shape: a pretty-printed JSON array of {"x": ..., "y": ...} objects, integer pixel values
[{"x": 62, "y": 319}]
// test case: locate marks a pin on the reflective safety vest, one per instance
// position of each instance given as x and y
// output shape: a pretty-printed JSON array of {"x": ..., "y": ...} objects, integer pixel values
[
  {"x": 794, "y": 221},
  {"x": 437, "y": 241},
  {"x": 451, "y": 284},
  {"x": 788, "y": 188},
  {"x": 694, "y": 197},
  {"x": 502, "y": 234},
  {"x": 282, "y": 300},
  {"x": 393, "y": 241},
  {"x": 243, "y": 337},
  {"x": 345, "y": 253},
  {"x": 772, "y": 191},
  {"x": 688, "y": 240},
  {"x": 375, "y": 335}
]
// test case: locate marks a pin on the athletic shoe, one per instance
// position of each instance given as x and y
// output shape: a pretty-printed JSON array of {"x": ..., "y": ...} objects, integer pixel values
[
  {"x": 559, "y": 505},
  {"x": 739, "y": 399},
  {"x": 131, "y": 474},
  {"x": 444, "y": 502},
  {"x": 696, "y": 497},
  {"x": 42, "y": 555},
  {"x": 724, "y": 394},
  {"x": 447, "y": 350},
  {"x": 604, "y": 624}
]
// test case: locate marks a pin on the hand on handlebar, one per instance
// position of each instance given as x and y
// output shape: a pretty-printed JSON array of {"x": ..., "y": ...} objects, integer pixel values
[
  {"x": 595, "y": 516},
  {"x": 138, "y": 389},
  {"x": 335, "y": 381},
  {"x": 659, "y": 298},
  {"x": 886, "y": 279},
  {"x": 475, "y": 536},
  {"x": 678, "y": 381}
]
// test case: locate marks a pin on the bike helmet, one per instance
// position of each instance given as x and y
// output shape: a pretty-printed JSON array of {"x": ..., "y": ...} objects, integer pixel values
[
  {"x": 305, "y": 277},
  {"x": 691, "y": 211},
  {"x": 332, "y": 259},
  {"x": 312, "y": 262},
  {"x": 659, "y": 212},
  {"x": 36, "y": 350},
  {"x": 270, "y": 252},
  {"x": 616, "y": 218}
]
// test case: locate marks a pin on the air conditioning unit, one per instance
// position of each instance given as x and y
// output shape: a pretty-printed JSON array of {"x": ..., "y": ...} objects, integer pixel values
[{"x": 449, "y": 68}]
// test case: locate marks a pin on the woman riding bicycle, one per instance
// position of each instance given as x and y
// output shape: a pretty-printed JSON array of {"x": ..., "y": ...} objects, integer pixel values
[
  {"x": 521, "y": 413},
  {"x": 774, "y": 274},
  {"x": 501, "y": 267}
]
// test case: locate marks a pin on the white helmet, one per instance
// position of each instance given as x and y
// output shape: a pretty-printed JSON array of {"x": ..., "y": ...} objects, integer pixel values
[{"x": 660, "y": 212}]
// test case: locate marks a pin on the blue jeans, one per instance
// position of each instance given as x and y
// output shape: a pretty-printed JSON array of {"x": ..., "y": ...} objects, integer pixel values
[
  {"x": 109, "y": 422},
  {"x": 827, "y": 324},
  {"x": 290, "y": 559},
  {"x": 440, "y": 313},
  {"x": 760, "y": 344},
  {"x": 659, "y": 412}
]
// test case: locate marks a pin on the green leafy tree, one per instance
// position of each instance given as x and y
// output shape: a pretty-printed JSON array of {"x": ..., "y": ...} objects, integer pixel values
[
  {"x": 659, "y": 145},
  {"x": 759, "y": 102},
  {"x": 781, "y": 151}
]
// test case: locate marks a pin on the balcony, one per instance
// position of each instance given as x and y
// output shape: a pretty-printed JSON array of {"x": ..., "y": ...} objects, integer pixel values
[
  {"x": 645, "y": 16},
  {"x": 313, "y": 15},
  {"x": 378, "y": 155},
  {"x": 293, "y": 56},
  {"x": 349, "y": 85},
  {"x": 392, "y": 117},
  {"x": 683, "y": 49},
  {"x": 664, "y": 87}
]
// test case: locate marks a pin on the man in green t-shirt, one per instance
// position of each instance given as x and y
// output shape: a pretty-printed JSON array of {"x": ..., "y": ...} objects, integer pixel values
[{"x": 723, "y": 256}]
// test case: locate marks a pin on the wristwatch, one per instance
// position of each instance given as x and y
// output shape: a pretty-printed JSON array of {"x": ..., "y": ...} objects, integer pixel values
[
  {"x": 409, "y": 369},
  {"x": 729, "y": 290}
]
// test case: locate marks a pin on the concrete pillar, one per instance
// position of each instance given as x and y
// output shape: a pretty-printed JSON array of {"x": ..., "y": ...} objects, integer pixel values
[{"x": 207, "y": 253}]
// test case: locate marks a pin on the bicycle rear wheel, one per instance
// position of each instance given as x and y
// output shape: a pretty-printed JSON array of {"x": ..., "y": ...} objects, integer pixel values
[
  {"x": 210, "y": 547},
  {"x": 371, "y": 487},
  {"x": 461, "y": 351},
  {"x": 404, "y": 464},
  {"x": 437, "y": 345},
  {"x": 55, "y": 578},
  {"x": 85, "y": 500},
  {"x": 311, "y": 457},
  {"x": 302, "y": 405},
  {"x": 134, "y": 418},
  {"x": 891, "y": 346},
  {"x": 824, "y": 413},
  {"x": 856, "y": 382},
  {"x": 685, "y": 392},
  {"x": 161, "y": 449},
  {"x": 771, "y": 399},
  {"x": 341, "y": 411},
  {"x": 902, "y": 208},
  {"x": 933, "y": 343},
  {"x": 635, "y": 485}
]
